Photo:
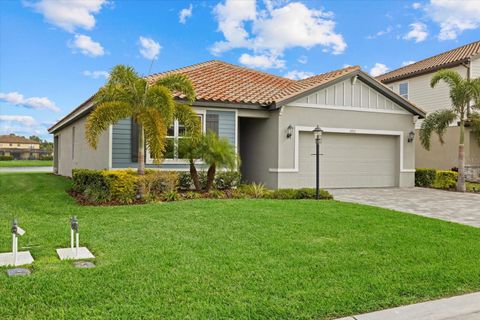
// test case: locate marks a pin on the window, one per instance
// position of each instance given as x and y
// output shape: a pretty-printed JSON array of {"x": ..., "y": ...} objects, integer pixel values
[
  {"x": 403, "y": 90},
  {"x": 73, "y": 142},
  {"x": 212, "y": 123},
  {"x": 176, "y": 137}
]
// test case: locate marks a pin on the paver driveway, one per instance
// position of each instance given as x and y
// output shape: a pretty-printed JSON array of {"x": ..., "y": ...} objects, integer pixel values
[{"x": 451, "y": 206}]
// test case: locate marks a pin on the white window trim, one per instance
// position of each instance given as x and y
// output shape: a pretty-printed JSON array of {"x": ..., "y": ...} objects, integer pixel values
[
  {"x": 149, "y": 160},
  {"x": 299, "y": 129},
  {"x": 408, "y": 89}
]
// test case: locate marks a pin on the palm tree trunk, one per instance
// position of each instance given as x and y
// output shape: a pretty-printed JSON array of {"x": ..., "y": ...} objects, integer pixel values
[
  {"x": 141, "y": 150},
  {"x": 194, "y": 175},
  {"x": 461, "y": 158},
  {"x": 210, "y": 177}
]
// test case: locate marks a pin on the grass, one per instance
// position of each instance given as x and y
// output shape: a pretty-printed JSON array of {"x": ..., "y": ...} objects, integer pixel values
[
  {"x": 26, "y": 163},
  {"x": 236, "y": 259}
]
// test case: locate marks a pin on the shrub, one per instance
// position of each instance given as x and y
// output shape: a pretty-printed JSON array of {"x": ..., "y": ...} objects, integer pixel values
[
  {"x": 216, "y": 194},
  {"x": 155, "y": 182},
  {"x": 191, "y": 195},
  {"x": 227, "y": 180},
  {"x": 43, "y": 157},
  {"x": 445, "y": 179},
  {"x": 170, "y": 196},
  {"x": 86, "y": 178},
  {"x": 303, "y": 193},
  {"x": 6, "y": 158},
  {"x": 254, "y": 190},
  {"x": 184, "y": 180},
  {"x": 121, "y": 185},
  {"x": 425, "y": 177}
]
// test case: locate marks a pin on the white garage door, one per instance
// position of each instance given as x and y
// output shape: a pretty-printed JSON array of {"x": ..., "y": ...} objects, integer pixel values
[{"x": 349, "y": 160}]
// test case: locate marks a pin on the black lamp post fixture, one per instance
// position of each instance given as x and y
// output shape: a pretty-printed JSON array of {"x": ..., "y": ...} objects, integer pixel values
[
  {"x": 411, "y": 136},
  {"x": 289, "y": 131},
  {"x": 317, "y": 133}
]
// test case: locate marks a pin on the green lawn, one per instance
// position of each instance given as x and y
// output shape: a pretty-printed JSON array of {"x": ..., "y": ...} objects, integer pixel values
[
  {"x": 227, "y": 258},
  {"x": 26, "y": 163}
]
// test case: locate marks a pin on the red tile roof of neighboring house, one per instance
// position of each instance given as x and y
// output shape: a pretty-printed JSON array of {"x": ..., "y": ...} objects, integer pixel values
[
  {"x": 16, "y": 139},
  {"x": 443, "y": 60}
]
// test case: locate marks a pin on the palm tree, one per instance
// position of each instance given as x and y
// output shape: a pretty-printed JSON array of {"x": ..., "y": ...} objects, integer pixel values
[
  {"x": 150, "y": 104},
  {"x": 217, "y": 152},
  {"x": 462, "y": 93}
]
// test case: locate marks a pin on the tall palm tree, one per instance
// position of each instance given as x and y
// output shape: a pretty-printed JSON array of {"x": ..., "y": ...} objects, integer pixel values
[
  {"x": 150, "y": 104},
  {"x": 217, "y": 152},
  {"x": 462, "y": 93}
]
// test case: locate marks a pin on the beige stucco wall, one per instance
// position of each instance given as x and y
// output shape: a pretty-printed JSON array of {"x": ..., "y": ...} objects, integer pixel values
[
  {"x": 84, "y": 156},
  {"x": 445, "y": 156},
  {"x": 475, "y": 68}
]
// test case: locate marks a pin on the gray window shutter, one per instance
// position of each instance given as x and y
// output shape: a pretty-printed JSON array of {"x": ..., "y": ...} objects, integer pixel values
[{"x": 134, "y": 141}]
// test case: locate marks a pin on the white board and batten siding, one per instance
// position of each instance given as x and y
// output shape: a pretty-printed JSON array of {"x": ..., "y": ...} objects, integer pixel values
[{"x": 345, "y": 95}]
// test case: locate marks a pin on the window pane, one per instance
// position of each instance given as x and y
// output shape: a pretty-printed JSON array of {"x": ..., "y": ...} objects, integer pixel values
[
  {"x": 169, "y": 148},
  {"x": 403, "y": 90},
  {"x": 171, "y": 131},
  {"x": 181, "y": 130},
  {"x": 212, "y": 123}
]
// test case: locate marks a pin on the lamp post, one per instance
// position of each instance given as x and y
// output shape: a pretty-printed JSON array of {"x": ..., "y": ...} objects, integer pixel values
[{"x": 317, "y": 133}]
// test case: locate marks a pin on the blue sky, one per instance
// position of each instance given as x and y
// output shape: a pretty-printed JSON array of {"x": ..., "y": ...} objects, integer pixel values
[{"x": 55, "y": 54}]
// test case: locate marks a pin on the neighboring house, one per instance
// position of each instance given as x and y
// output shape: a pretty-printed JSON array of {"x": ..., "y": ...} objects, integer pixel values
[
  {"x": 413, "y": 83},
  {"x": 269, "y": 120},
  {"x": 19, "y": 147}
]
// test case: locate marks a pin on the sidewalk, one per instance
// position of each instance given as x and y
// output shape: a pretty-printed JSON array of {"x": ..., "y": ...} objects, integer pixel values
[
  {"x": 466, "y": 307},
  {"x": 26, "y": 169}
]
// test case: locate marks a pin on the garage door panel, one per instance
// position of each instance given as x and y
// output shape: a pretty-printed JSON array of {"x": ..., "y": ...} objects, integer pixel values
[{"x": 349, "y": 160}]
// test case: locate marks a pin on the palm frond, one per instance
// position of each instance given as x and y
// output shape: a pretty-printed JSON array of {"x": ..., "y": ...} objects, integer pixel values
[
  {"x": 160, "y": 98},
  {"x": 437, "y": 122},
  {"x": 179, "y": 83},
  {"x": 155, "y": 132},
  {"x": 218, "y": 151},
  {"x": 189, "y": 118},
  {"x": 451, "y": 77},
  {"x": 104, "y": 115}
]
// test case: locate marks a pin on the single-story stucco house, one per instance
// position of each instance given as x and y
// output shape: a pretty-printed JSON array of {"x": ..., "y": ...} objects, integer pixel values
[{"x": 367, "y": 140}]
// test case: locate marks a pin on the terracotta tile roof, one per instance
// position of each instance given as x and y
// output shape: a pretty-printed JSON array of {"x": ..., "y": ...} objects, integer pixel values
[
  {"x": 446, "y": 59},
  {"x": 16, "y": 139},
  {"x": 224, "y": 82}
]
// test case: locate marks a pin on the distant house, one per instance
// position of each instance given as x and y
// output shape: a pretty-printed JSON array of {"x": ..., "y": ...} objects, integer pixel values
[
  {"x": 19, "y": 148},
  {"x": 413, "y": 83},
  {"x": 269, "y": 119}
]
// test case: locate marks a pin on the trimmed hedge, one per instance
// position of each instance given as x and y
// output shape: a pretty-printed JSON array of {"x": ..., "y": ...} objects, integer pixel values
[
  {"x": 425, "y": 177},
  {"x": 438, "y": 179},
  {"x": 303, "y": 193},
  {"x": 445, "y": 179},
  {"x": 6, "y": 158},
  {"x": 223, "y": 180}
]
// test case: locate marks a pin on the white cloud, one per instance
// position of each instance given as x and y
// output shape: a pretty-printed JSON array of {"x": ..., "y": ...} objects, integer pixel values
[
  {"x": 86, "y": 46},
  {"x": 406, "y": 63},
  {"x": 297, "y": 75},
  {"x": 184, "y": 14},
  {"x": 381, "y": 33},
  {"x": 416, "y": 5},
  {"x": 24, "y": 120},
  {"x": 96, "y": 74},
  {"x": 69, "y": 15},
  {"x": 302, "y": 59},
  {"x": 261, "y": 61},
  {"x": 454, "y": 17},
  {"x": 275, "y": 29},
  {"x": 378, "y": 69},
  {"x": 149, "y": 48},
  {"x": 38, "y": 103},
  {"x": 418, "y": 32}
]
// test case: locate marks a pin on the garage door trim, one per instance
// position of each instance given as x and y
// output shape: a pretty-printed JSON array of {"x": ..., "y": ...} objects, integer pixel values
[{"x": 340, "y": 130}]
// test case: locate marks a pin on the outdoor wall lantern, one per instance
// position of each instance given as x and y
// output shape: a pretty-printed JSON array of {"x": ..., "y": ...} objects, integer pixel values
[
  {"x": 317, "y": 133},
  {"x": 411, "y": 136},
  {"x": 289, "y": 131}
]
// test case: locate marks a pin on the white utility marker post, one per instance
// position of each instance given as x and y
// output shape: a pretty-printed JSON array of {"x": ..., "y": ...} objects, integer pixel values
[
  {"x": 16, "y": 258},
  {"x": 75, "y": 252}
]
